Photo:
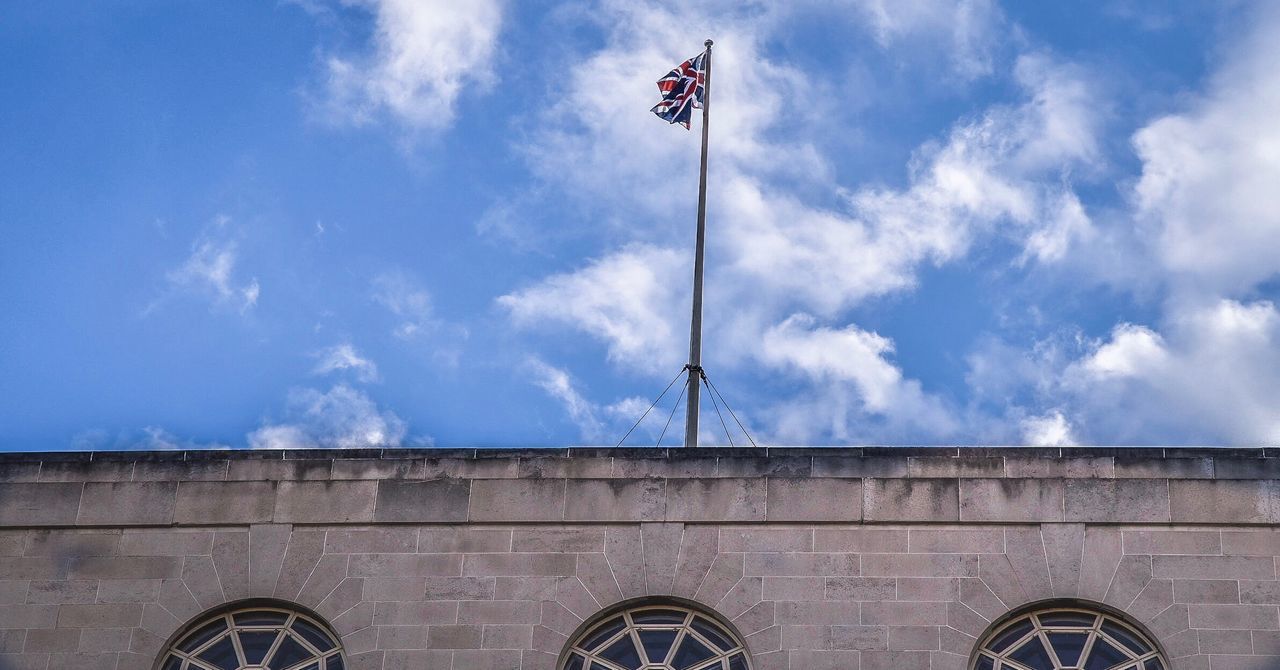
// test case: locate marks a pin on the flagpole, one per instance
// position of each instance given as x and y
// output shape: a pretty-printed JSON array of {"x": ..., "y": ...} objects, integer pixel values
[{"x": 695, "y": 327}]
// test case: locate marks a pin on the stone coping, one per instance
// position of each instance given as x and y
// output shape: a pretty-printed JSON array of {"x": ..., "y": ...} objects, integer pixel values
[{"x": 633, "y": 463}]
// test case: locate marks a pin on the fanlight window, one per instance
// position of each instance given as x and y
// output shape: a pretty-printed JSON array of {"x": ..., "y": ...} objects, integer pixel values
[
  {"x": 256, "y": 639},
  {"x": 657, "y": 638},
  {"x": 1068, "y": 639}
]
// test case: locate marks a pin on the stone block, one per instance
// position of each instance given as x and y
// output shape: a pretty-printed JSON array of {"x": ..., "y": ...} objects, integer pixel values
[
  {"x": 1114, "y": 500},
  {"x": 127, "y": 503},
  {"x": 464, "y": 636},
  {"x": 279, "y": 470},
  {"x": 1220, "y": 591},
  {"x": 919, "y": 565},
  {"x": 615, "y": 500},
  {"x": 697, "y": 552},
  {"x": 891, "y": 613},
  {"x": 1103, "y": 549},
  {"x": 378, "y": 468},
  {"x": 661, "y": 546},
  {"x": 34, "y": 504},
  {"x": 267, "y": 546},
  {"x": 860, "y": 588},
  {"x": 766, "y": 539},
  {"x": 1205, "y": 542},
  {"x": 325, "y": 502},
  {"x": 499, "y": 612},
  {"x": 59, "y": 592},
  {"x": 375, "y": 540},
  {"x": 1236, "y": 501},
  {"x": 847, "y": 466},
  {"x": 1011, "y": 500},
  {"x": 415, "y": 612},
  {"x": 407, "y": 565},
  {"x": 913, "y": 638},
  {"x": 1251, "y": 542},
  {"x": 933, "y": 589},
  {"x": 300, "y": 558},
  {"x": 151, "y": 542},
  {"x": 1058, "y": 468},
  {"x": 128, "y": 590},
  {"x": 946, "y": 467},
  {"x": 624, "y": 551},
  {"x": 1214, "y": 567},
  {"x": 104, "y": 542},
  {"x": 494, "y": 565},
  {"x": 114, "y": 615},
  {"x": 1164, "y": 468},
  {"x": 861, "y": 540},
  {"x": 461, "y": 539},
  {"x": 517, "y": 500},
  {"x": 1064, "y": 549},
  {"x": 122, "y": 567},
  {"x": 728, "y": 499},
  {"x": 231, "y": 559},
  {"x": 422, "y": 501},
  {"x": 179, "y": 471},
  {"x": 200, "y": 503},
  {"x": 911, "y": 500},
  {"x": 789, "y": 564},
  {"x": 955, "y": 541},
  {"x": 814, "y": 500},
  {"x": 1234, "y": 617}
]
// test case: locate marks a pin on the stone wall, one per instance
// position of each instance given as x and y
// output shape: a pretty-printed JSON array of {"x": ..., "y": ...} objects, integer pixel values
[{"x": 821, "y": 558}]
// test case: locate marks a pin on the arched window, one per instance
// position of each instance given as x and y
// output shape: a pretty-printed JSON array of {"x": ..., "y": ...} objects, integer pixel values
[
  {"x": 1067, "y": 638},
  {"x": 657, "y": 637},
  {"x": 255, "y": 638}
]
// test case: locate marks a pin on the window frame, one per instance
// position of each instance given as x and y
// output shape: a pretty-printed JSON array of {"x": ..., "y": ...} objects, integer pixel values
[
  {"x": 189, "y": 660},
  {"x": 692, "y": 612},
  {"x": 1100, "y": 614}
]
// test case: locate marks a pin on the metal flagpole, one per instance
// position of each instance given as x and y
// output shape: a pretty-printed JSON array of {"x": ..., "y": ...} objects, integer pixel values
[{"x": 695, "y": 327}]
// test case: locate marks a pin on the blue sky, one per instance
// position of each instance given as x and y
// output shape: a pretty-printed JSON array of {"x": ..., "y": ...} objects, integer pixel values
[{"x": 370, "y": 222}]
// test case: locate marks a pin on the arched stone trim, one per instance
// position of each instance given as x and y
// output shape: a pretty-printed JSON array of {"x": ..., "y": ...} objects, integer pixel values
[
  {"x": 309, "y": 618},
  {"x": 650, "y": 603},
  {"x": 1061, "y": 605},
  {"x": 674, "y": 562}
]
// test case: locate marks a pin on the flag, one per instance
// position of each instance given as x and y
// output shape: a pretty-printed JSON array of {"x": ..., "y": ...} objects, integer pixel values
[{"x": 682, "y": 91}]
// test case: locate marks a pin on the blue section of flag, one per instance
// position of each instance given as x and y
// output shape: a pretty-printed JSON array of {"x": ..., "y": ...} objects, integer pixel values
[{"x": 682, "y": 90}]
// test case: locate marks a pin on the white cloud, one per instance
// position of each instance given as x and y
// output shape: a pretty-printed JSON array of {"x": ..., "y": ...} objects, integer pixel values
[
  {"x": 425, "y": 55},
  {"x": 1049, "y": 430},
  {"x": 852, "y": 379},
  {"x": 968, "y": 28},
  {"x": 344, "y": 357},
  {"x": 210, "y": 271},
  {"x": 406, "y": 300},
  {"x": 597, "y": 424},
  {"x": 340, "y": 417},
  {"x": 629, "y": 299},
  {"x": 1208, "y": 189}
]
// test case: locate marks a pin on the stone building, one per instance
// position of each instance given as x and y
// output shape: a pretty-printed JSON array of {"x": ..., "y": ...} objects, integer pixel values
[{"x": 591, "y": 559}]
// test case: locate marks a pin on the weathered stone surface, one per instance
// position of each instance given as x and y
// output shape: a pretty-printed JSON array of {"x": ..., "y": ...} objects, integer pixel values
[
  {"x": 1114, "y": 500},
  {"x": 1011, "y": 500},
  {"x": 911, "y": 500},
  {"x": 814, "y": 500},
  {"x": 729, "y": 499},
  {"x": 615, "y": 500},
  {"x": 517, "y": 500},
  {"x": 422, "y": 501},
  {"x": 325, "y": 502},
  {"x": 1218, "y": 500},
  {"x": 224, "y": 502},
  {"x": 31, "y": 504}
]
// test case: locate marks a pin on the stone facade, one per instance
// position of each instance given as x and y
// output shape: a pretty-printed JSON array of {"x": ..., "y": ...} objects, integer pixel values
[{"x": 474, "y": 559}]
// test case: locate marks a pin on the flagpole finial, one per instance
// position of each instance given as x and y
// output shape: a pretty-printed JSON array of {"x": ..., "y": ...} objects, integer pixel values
[{"x": 708, "y": 43}]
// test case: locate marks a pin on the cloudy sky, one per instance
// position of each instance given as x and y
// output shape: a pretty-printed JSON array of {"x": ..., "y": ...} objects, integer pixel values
[{"x": 428, "y": 222}]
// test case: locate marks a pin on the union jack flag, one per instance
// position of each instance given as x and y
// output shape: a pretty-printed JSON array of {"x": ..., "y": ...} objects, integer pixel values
[{"x": 682, "y": 91}]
